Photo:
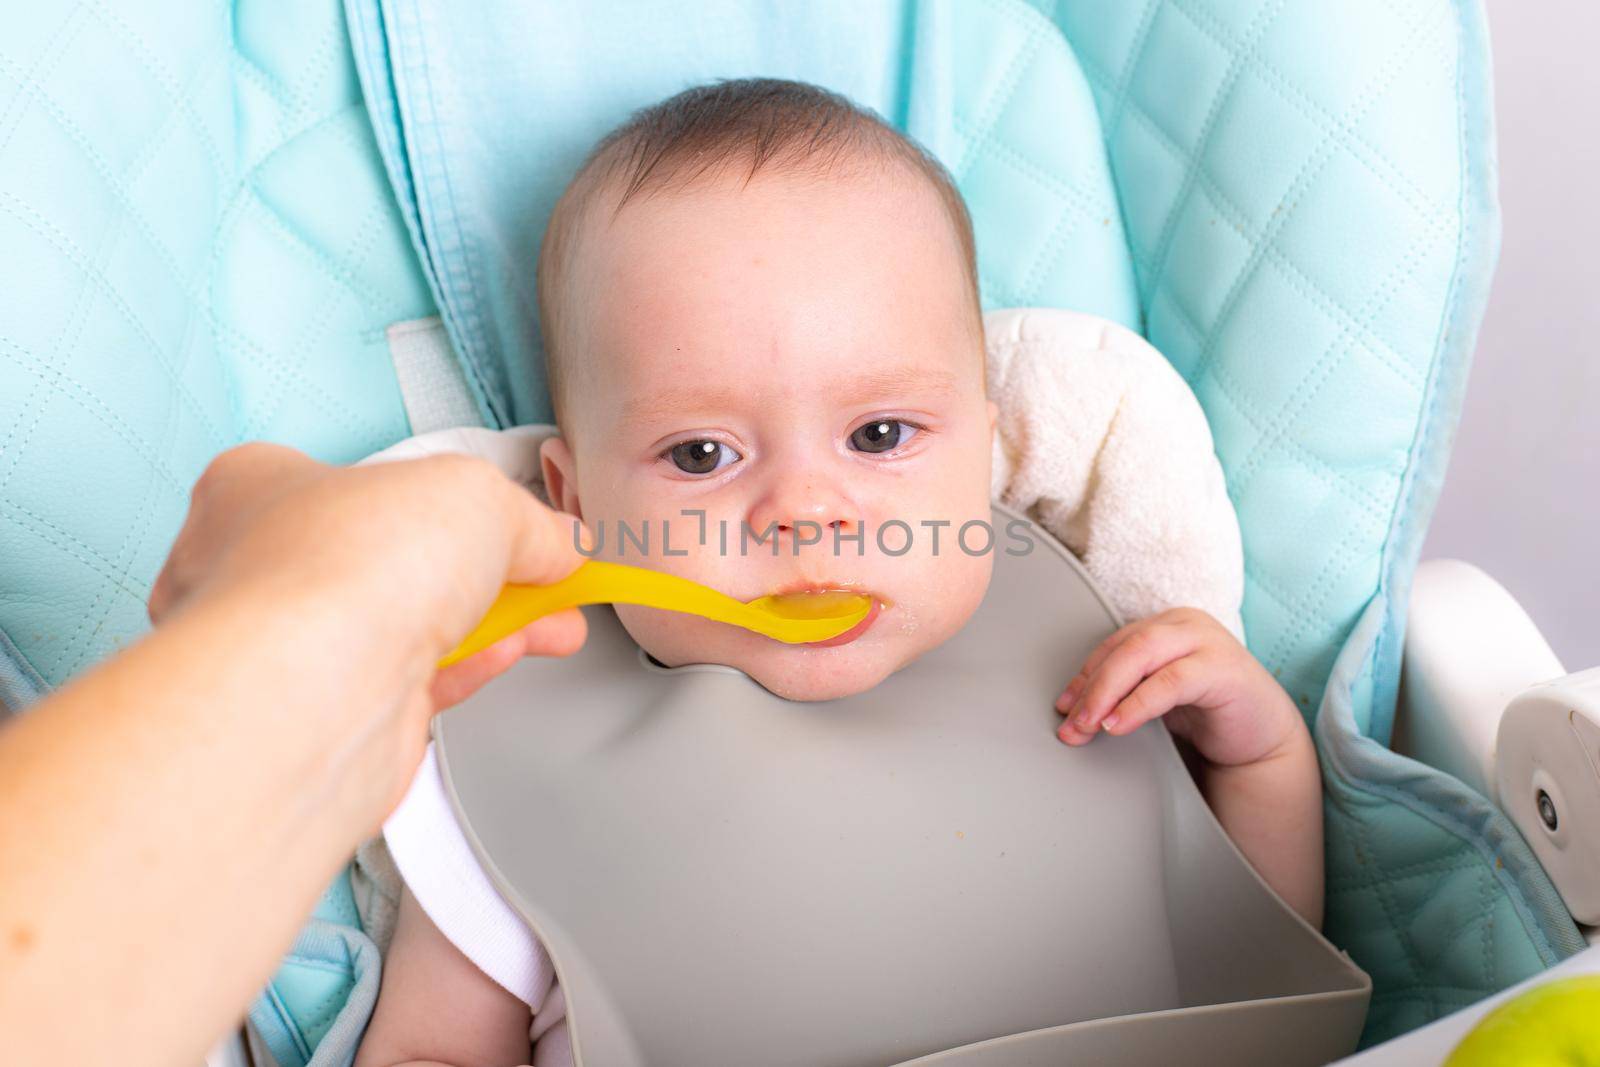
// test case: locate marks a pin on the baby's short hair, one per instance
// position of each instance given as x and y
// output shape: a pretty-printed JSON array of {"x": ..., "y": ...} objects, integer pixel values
[{"x": 763, "y": 123}]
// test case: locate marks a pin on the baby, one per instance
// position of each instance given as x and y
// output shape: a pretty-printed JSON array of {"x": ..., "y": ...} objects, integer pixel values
[{"x": 760, "y": 307}]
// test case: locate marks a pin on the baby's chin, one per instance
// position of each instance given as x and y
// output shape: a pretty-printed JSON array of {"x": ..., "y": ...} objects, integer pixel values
[
  {"x": 802, "y": 673},
  {"x": 794, "y": 672}
]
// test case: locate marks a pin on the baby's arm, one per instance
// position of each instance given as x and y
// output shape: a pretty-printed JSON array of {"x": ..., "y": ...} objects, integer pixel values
[
  {"x": 436, "y": 1008},
  {"x": 1259, "y": 771}
]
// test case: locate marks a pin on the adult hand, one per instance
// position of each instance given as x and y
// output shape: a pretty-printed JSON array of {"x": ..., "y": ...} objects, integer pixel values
[
  {"x": 168, "y": 819},
  {"x": 414, "y": 550}
]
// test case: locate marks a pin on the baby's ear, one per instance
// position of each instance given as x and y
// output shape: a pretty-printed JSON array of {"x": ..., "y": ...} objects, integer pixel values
[{"x": 560, "y": 475}]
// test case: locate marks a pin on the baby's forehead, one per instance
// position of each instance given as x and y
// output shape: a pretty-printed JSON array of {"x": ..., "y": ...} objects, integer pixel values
[{"x": 673, "y": 284}]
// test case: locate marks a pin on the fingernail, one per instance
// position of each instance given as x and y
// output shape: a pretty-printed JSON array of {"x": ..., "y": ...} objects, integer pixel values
[
  {"x": 1108, "y": 722},
  {"x": 582, "y": 538}
]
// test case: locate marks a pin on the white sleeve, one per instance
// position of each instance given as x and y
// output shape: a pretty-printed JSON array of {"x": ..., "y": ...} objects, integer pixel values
[{"x": 439, "y": 868}]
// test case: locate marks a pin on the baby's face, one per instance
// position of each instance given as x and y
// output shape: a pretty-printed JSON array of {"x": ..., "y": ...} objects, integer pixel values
[{"x": 797, "y": 355}]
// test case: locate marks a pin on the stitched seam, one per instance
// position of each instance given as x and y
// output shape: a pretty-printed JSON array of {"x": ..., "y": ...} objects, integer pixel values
[
  {"x": 280, "y": 91},
  {"x": 135, "y": 539},
  {"x": 29, "y": 87},
  {"x": 1309, "y": 171},
  {"x": 1005, "y": 86},
  {"x": 1366, "y": 153},
  {"x": 1068, "y": 224},
  {"x": 1295, "y": 632},
  {"x": 1403, "y": 503},
  {"x": 1259, "y": 25},
  {"x": 1300, "y": 602},
  {"x": 126, "y": 553},
  {"x": 1064, "y": 225},
  {"x": 50, "y": 375},
  {"x": 54, "y": 535},
  {"x": 1343, "y": 554},
  {"x": 453, "y": 259},
  {"x": 1141, "y": 39},
  {"x": 177, "y": 93},
  {"x": 1387, "y": 903},
  {"x": 1342, "y": 344},
  {"x": 1414, "y": 871},
  {"x": 1452, "y": 996},
  {"x": 1310, "y": 288},
  {"x": 1350, "y": 140},
  {"x": 1486, "y": 943},
  {"x": 1330, "y": 476},
  {"x": 339, "y": 272},
  {"x": 115, "y": 185},
  {"x": 68, "y": 248},
  {"x": 1029, "y": 168},
  {"x": 264, "y": 360},
  {"x": 230, "y": 217},
  {"x": 309, "y": 85},
  {"x": 317, "y": 325},
  {"x": 71, "y": 330},
  {"x": 1336, "y": 478},
  {"x": 1409, "y": 483}
]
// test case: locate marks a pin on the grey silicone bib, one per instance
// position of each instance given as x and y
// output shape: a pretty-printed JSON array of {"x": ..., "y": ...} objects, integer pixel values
[{"x": 723, "y": 877}]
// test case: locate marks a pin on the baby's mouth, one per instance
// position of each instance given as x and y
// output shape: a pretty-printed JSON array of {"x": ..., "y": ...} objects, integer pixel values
[
  {"x": 804, "y": 589},
  {"x": 855, "y": 631},
  {"x": 824, "y": 599}
]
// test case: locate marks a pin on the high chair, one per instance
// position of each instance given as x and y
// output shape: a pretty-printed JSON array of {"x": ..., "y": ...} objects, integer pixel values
[{"x": 226, "y": 222}]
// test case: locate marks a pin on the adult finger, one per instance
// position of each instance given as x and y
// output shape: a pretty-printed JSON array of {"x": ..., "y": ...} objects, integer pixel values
[
  {"x": 229, "y": 493},
  {"x": 545, "y": 548},
  {"x": 560, "y": 634}
]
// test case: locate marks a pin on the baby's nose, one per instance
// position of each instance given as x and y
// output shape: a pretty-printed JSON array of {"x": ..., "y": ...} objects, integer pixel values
[{"x": 804, "y": 509}]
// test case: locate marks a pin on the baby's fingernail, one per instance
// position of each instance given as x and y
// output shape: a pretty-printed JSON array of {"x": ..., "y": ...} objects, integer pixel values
[{"x": 1108, "y": 722}]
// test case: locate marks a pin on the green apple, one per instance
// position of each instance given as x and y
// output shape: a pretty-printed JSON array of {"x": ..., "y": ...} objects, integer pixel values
[{"x": 1556, "y": 1024}]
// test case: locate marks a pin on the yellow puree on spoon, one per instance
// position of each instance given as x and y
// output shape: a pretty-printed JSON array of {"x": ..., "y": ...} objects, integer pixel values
[{"x": 794, "y": 618}]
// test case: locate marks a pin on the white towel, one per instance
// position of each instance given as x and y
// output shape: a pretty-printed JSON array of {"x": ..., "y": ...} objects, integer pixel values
[{"x": 1102, "y": 443}]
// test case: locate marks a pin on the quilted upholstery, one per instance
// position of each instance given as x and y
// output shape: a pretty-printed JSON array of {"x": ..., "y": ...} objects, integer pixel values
[
  {"x": 199, "y": 249},
  {"x": 1294, "y": 202}
]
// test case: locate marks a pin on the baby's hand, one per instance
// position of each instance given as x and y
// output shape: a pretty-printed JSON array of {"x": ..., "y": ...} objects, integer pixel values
[{"x": 1184, "y": 664}]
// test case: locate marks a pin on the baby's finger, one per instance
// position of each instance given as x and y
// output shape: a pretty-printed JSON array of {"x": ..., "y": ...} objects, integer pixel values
[
  {"x": 1069, "y": 733},
  {"x": 1138, "y": 656},
  {"x": 1092, "y": 664},
  {"x": 1178, "y": 683}
]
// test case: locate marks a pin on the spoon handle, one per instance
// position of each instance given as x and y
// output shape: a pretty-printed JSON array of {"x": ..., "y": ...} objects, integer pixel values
[{"x": 603, "y": 582}]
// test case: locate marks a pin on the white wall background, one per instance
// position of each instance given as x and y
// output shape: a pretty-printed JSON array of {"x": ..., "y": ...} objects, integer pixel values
[{"x": 1521, "y": 498}]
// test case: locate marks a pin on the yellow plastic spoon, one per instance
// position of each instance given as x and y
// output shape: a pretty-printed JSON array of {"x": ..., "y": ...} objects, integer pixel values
[{"x": 793, "y": 618}]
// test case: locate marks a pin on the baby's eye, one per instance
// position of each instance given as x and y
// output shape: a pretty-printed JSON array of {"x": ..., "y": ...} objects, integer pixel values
[
  {"x": 883, "y": 435},
  {"x": 701, "y": 457}
]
